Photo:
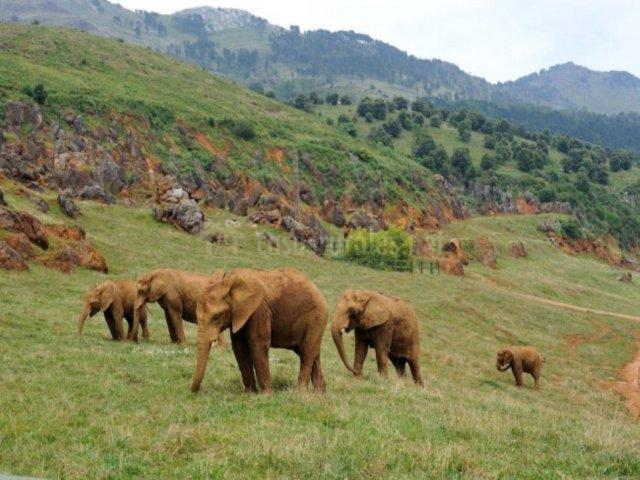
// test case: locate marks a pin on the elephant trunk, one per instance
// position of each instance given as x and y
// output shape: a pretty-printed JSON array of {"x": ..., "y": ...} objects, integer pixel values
[
  {"x": 86, "y": 309},
  {"x": 137, "y": 310},
  {"x": 336, "y": 332},
  {"x": 205, "y": 341}
]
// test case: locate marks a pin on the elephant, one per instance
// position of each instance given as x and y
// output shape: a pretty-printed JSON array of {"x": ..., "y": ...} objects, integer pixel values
[
  {"x": 521, "y": 359},
  {"x": 387, "y": 324},
  {"x": 177, "y": 292},
  {"x": 116, "y": 299},
  {"x": 278, "y": 308}
]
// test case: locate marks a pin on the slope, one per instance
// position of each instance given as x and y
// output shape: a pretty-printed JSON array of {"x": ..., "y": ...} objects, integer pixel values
[{"x": 90, "y": 407}]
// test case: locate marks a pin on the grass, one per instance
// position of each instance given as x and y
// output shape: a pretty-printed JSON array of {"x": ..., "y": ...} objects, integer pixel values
[{"x": 91, "y": 408}]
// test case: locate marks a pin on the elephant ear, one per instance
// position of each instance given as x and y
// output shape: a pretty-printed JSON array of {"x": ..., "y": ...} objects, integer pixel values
[
  {"x": 375, "y": 313},
  {"x": 158, "y": 286},
  {"x": 217, "y": 276},
  {"x": 246, "y": 297},
  {"x": 107, "y": 295}
]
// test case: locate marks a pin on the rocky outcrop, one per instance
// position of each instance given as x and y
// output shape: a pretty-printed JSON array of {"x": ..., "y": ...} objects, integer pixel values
[
  {"x": 97, "y": 193},
  {"x": 485, "y": 252},
  {"x": 75, "y": 254},
  {"x": 454, "y": 259},
  {"x": 22, "y": 222},
  {"x": 363, "y": 219},
  {"x": 273, "y": 217},
  {"x": 517, "y": 249},
  {"x": 67, "y": 204},
  {"x": 21, "y": 244},
  {"x": 10, "y": 259},
  {"x": 314, "y": 236},
  {"x": 185, "y": 215}
]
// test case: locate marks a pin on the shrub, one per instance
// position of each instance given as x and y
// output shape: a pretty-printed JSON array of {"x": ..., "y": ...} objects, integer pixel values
[
  {"x": 244, "y": 130},
  {"x": 435, "y": 121},
  {"x": 487, "y": 162},
  {"x": 570, "y": 228},
  {"x": 390, "y": 249}
]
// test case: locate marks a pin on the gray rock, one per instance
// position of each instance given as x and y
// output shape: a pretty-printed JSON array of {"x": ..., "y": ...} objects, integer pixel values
[
  {"x": 237, "y": 205},
  {"x": 254, "y": 195},
  {"x": 270, "y": 239},
  {"x": 314, "y": 238},
  {"x": 337, "y": 215},
  {"x": 132, "y": 144},
  {"x": 96, "y": 192},
  {"x": 67, "y": 204},
  {"x": 35, "y": 115},
  {"x": 110, "y": 175},
  {"x": 13, "y": 114},
  {"x": 41, "y": 204},
  {"x": 185, "y": 215},
  {"x": 362, "y": 219},
  {"x": 216, "y": 237},
  {"x": 220, "y": 198}
]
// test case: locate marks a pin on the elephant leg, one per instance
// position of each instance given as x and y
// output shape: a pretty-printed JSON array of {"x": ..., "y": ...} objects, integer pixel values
[
  {"x": 170, "y": 327},
  {"x": 382, "y": 346},
  {"x": 243, "y": 357},
  {"x": 176, "y": 320},
  {"x": 382, "y": 359},
  {"x": 399, "y": 363},
  {"x": 260, "y": 358},
  {"x": 131, "y": 335},
  {"x": 119, "y": 324},
  {"x": 536, "y": 378},
  {"x": 112, "y": 325},
  {"x": 517, "y": 373},
  {"x": 145, "y": 327},
  {"x": 360, "y": 355},
  {"x": 319, "y": 384},
  {"x": 415, "y": 372}
]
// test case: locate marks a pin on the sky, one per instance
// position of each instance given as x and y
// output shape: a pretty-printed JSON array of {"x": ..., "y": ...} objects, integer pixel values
[{"x": 498, "y": 40}]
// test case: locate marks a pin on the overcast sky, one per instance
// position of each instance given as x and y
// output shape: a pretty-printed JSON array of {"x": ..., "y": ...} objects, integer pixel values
[{"x": 495, "y": 39}]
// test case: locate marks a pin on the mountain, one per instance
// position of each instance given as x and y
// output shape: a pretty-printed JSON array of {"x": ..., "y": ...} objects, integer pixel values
[
  {"x": 249, "y": 49},
  {"x": 252, "y": 51},
  {"x": 572, "y": 87}
]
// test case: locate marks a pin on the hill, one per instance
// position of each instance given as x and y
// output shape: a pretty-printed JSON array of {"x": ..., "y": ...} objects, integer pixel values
[
  {"x": 113, "y": 107},
  {"x": 250, "y": 50},
  {"x": 572, "y": 87}
]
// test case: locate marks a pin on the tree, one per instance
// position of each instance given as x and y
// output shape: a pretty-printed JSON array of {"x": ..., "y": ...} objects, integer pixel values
[
  {"x": 487, "y": 162},
  {"x": 423, "y": 146},
  {"x": 346, "y": 100},
  {"x": 393, "y": 127},
  {"x": 400, "y": 103},
  {"x": 435, "y": 121},
  {"x": 583, "y": 183},
  {"x": 405, "y": 120},
  {"x": 464, "y": 131},
  {"x": 332, "y": 99},
  {"x": 461, "y": 161}
]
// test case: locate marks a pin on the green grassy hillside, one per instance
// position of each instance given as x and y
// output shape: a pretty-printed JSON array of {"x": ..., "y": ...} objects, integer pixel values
[
  {"x": 186, "y": 116},
  {"x": 91, "y": 408}
]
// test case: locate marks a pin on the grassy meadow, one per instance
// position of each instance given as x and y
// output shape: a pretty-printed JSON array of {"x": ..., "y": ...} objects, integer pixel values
[{"x": 93, "y": 408}]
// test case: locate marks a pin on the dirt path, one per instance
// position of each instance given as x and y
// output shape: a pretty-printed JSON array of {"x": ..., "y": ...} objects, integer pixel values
[
  {"x": 629, "y": 387},
  {"x": 576, "y": 308}
]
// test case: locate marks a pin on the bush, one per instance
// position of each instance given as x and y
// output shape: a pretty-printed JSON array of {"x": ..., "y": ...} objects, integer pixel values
[
  {"x": 570, "y": 228},
  {"x": 435, "y": 121},
  {"x": 461, "y": 160},
  {"x": 244, "y": 130},
  {"x": 390, "y": 249},
  {"x": 487, "y": 162}
]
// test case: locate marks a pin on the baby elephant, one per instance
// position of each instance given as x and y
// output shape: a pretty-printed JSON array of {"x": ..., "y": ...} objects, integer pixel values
[
  {"x": 521, "y": 359},
  {"x": 116, "y": 300},
  {"x": 387, "y": 324}
]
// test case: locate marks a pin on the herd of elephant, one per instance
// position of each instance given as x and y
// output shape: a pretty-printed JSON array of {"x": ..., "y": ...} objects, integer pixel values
[{"x": 278, "y": 308}]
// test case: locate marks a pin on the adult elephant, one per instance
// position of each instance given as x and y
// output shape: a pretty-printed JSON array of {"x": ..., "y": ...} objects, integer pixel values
[
  {"x": 177, "y": 292},
  {"x": 116, "y": 300},
  {"x": 387, "y": 324},
  {"x": 277, "y": 308}
]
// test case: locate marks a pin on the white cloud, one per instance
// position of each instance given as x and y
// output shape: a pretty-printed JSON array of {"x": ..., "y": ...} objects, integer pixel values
[{"x": 496, "y": 39}]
